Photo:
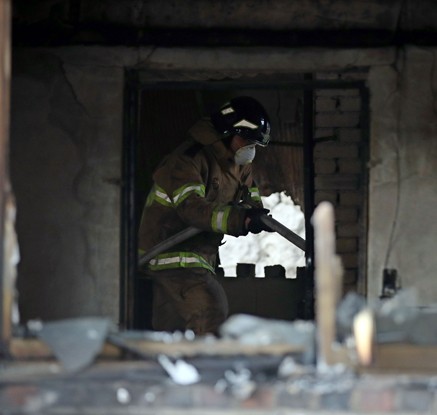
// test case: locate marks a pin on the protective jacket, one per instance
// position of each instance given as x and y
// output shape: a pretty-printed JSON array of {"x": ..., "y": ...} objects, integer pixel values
[{"x": 197, "y": 185}]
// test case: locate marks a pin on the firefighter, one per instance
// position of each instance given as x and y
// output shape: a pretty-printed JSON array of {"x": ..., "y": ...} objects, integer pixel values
[{"x": 206, "y": 183}]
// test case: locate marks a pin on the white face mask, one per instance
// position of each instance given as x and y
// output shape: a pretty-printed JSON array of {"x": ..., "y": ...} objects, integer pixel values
[{"x": 245, "y": 155}]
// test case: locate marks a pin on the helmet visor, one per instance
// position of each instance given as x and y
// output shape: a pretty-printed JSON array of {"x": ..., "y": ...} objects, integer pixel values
[
  {"x": 256, "y": 137},
  {"x": 265, "y": 138}
]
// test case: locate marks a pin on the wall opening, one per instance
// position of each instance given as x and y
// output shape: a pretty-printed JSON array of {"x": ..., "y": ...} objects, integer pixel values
[{"x": 159, "y": 111}]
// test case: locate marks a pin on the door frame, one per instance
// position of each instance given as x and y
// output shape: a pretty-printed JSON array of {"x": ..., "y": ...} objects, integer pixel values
[{"x": 136, "y": 80}]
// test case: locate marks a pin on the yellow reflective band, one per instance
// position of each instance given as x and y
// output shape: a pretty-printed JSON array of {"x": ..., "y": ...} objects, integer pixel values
[
  {"x": 183, "y": 192},
  {"x": 219, "y": 220},
  {"x": 179, "y": 260},
  {"x": 254, "y": 194},
  {"x": 157, "y": 194},
  {"x": 162, "y": 197}
]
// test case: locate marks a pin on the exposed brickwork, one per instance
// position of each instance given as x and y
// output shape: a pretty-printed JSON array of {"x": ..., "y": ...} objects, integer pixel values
[
  {"x": 349, "y": 260},
  {"x": 350, "y": 104},
  {"x": 352, "y": 135},
  {"x": 346, "y": 245},
  {"x": 321, "y": 196},
  {"x": 348, "y": 229},
  {"x": 324, "y": 133},
  {"x": 324, "y": 104},
  {"x": 335, "y": 93},
  {"x": 352, "y": 198},
  {"x": 337, "y": 119},
  {"x": 352, "y": 165},
  {"x": 346, "y": 214},
  {"x": 324, "y": 166},
  {"x": 335, "y": 150},
  {"x": 350, "y": 277},
  {"x": 336, "y": 182},
  {"x": 339, "y": 166}
]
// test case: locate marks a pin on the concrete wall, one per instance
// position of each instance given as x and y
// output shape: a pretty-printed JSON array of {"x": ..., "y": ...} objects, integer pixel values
[
  {"x": 403, "y": 173},
  {"x": 66, "y": 163}
]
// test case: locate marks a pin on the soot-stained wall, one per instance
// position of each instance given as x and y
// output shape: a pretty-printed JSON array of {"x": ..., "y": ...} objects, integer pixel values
[
  {"x": 66, "y": 170},
  {"x": 66, "y": 140},
  {"x": 403, "y": 173}
]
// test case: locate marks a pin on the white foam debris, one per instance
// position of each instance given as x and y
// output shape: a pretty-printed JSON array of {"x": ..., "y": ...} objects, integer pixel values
[{"x": 266, "y": 249}]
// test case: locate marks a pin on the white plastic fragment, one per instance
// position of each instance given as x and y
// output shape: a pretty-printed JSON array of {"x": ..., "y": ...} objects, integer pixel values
[
  {"x": 290, "y": 367},
  {"x": 34, "y": 325},
  {"x": 240, "y": 383},
  {"x": 123, "y": 396},
  {"x": 180, "y": 372},
  {"x": 149, "y": 397},
  {"x": 189, "y": 335}
]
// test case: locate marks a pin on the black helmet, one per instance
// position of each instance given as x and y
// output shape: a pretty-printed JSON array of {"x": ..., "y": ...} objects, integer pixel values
[{"x": 243, "y": 116}]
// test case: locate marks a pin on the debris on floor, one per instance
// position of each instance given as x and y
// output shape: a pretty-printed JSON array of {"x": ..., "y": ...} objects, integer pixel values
[
  {"x": 74, "y": 342},
  {"x": 257, "y": 331}
]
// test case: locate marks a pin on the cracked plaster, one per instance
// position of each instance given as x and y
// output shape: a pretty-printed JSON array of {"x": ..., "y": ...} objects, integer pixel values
[
  {"x": 403, "y": 174},
  {"x": 66, "y": 160}
]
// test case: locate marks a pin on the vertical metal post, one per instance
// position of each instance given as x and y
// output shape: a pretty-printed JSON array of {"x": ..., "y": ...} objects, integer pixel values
[
  {"x": 129, "y": 256},
  {"x": 5, "y": 77},
  {"x": 308, "y": 137}
]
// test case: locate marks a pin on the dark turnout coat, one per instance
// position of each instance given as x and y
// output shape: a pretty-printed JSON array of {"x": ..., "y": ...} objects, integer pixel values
[{"x": 197, "y": 185}]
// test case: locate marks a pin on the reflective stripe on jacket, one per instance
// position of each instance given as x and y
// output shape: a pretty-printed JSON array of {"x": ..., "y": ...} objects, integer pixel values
[{"x": 171, "y": 260}]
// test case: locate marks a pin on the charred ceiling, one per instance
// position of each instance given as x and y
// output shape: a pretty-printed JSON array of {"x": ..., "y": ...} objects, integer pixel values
[{"x": 229, "y": 22}]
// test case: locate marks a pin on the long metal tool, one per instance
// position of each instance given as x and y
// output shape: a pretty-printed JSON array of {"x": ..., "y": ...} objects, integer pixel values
[
  {"x": 288, "y": 234},
  {"x": 167, "y": 244},
  {"x": 179, "y": 237}
]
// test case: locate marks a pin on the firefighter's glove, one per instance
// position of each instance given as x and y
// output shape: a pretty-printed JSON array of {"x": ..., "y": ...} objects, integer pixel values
[{"x": 254, "y": 223}]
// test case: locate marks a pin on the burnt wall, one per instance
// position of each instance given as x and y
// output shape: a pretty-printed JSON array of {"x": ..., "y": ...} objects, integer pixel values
[
  {"x": 402, "y": 168},
  {"x": 66, "y": 135},
  {"x": 66, "y": 129},
  {"x": 289, "y": 23}
]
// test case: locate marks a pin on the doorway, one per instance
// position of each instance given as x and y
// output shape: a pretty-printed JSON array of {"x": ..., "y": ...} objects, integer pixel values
[{"x": 157, "y": 115}]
